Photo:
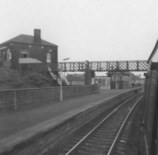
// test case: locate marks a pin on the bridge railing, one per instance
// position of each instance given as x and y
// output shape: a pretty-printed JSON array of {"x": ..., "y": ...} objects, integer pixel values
[
  {"x": 104, "y": 66},
  {"x": 139, "y": 65}
]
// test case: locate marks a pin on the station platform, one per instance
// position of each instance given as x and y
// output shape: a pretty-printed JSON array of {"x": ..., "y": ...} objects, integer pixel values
[{"x": 14, "y": 123}]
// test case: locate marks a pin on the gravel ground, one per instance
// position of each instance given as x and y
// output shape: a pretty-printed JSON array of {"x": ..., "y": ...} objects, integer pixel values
[{"x": 132, "y": 145}]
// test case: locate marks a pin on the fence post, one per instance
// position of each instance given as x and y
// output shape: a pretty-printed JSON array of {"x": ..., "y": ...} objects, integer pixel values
[
  {"x": 98, "y": 88},
  {"x": 84, "y": 92},
  {"x": 15, "y": 100},
  {"x": 77, "y": 91}
]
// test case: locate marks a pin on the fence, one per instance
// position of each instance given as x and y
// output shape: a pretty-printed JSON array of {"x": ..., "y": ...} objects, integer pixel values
[{"x": 18, "y": 97}]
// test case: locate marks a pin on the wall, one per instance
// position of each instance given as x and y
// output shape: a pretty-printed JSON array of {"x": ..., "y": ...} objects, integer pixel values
[
  {"x": 4, "y": 55},
  {"x": 35, "y": 51},
  {"x": 25, "y": 97}
]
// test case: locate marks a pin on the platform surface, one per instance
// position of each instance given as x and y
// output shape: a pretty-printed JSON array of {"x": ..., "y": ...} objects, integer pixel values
[{"x": 14, "y": 122}]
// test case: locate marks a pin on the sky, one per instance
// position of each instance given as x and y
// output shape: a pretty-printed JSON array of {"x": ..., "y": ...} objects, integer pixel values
[{"x": 94, "y": 30}]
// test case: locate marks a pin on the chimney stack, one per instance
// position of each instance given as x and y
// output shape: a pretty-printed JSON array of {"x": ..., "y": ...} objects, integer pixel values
[{"x": 37, "y": 36}]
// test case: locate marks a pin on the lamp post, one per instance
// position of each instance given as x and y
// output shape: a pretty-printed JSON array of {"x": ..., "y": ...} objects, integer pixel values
[
  {"x": 61, "y": 90},
  {"x": 61, "y": 84},
  {"x": 65, "y": 60}
]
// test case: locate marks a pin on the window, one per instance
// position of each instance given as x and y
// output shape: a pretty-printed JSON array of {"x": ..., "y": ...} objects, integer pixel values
[
  {"x": 114, "y": 78},
  {"x": 3, "y": 55},
  {"x": 24, "y": 54},
  {"x": 9, "y": 55},
  {"x": 48, "y": 59}
]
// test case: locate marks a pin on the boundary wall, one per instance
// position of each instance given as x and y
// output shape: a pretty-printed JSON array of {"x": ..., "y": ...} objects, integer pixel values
[
  {"x": 42, "y": 137},
  {"x": 17, "y": 98}
]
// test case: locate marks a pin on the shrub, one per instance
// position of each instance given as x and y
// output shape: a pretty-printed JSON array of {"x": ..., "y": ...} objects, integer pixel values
[
  {"x": 35, "y": 79},
  {"x": 10, "y": 79}
]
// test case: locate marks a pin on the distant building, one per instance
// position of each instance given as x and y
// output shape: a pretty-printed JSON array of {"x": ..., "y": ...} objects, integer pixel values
[
  {"x": 27, "y": 49},
  {"x": 122, "y": 80},
  {"x": 76, "y": 79},
  {"x": 103, "y": 81},
  {"x": 142, "y": 81}
]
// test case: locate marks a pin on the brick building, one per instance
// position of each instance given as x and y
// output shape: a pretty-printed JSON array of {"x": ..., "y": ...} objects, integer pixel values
[
  {"x": 103, "y": 81},
  {"x": 122, "y": 80},
  {"x": 76, "y": 79},
  {"x": 27, "y": 49}
]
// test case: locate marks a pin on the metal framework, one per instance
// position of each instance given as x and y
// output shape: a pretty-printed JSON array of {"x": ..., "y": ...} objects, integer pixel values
[{"x": 101, "y": 66}]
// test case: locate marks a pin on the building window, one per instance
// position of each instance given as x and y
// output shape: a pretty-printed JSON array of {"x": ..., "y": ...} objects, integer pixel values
[
  {"x": 24, "y": 54},
  {"x": 114, "y": 78},
  {"x": 9, "y": 55},
  {"x": 3, "y": 55},
  {"x": 48, "y": 59}
]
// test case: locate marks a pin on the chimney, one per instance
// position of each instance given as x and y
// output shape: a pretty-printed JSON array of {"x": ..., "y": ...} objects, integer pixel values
[{"x": 37, "y": 36}]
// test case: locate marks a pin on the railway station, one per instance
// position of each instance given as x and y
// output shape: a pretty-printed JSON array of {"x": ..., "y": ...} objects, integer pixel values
[
  {"x": 45, "y": 120},
  {"x": 79, "y": 77}
]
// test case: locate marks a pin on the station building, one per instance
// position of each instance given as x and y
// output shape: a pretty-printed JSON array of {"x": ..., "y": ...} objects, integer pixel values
[
  {"x": 122, "y": 80},
  {"x": 27, "y": 49},
  {"x": 76, "y": 79},
  {"x": 103, "y": 81}
]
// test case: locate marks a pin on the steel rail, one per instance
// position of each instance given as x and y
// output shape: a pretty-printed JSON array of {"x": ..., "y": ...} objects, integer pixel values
[
  {"x": 76, "y": 145},
  {"x": 114, "y": 142}
]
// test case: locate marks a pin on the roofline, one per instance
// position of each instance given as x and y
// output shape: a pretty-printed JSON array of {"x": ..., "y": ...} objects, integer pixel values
[
  {"x": 153, "y": 52},
  {"x": 26, "y": 43}
]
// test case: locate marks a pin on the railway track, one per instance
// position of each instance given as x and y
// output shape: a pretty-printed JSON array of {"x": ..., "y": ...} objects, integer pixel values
[{"x": 107, "y": 134}]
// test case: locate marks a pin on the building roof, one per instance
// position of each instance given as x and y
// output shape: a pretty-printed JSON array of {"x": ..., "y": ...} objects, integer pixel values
[
  {"x": 27, "y": 39},
  {"x": 153, "y": 52},
  {"x": 28, "y": 60}
]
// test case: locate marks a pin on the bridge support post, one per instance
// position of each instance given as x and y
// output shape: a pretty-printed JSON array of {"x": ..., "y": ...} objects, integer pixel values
[{"x": 88, "y": 77}]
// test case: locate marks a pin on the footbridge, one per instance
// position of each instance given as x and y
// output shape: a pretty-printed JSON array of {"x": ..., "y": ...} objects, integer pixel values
[
  {"x": 82, "y": 66},
  {"x": 102, "y": 66}
]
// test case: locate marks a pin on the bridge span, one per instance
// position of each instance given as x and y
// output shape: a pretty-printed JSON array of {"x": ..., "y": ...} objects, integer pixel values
[
  {"x": 102, "y": 66},
  {"x": 82, "y": 66}
]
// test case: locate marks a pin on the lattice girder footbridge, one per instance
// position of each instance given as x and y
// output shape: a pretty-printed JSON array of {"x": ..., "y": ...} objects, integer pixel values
[{"x": 100, "y": 66}]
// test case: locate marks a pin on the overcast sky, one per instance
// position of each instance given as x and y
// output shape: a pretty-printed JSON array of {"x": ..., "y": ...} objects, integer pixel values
[{"x": 94, "y": 30}]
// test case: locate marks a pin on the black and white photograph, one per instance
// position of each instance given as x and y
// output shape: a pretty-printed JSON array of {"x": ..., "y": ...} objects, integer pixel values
[{"x": 79, "y": 77}]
